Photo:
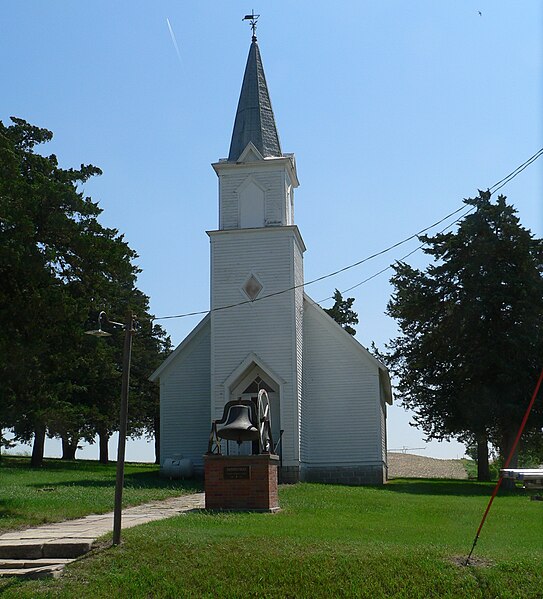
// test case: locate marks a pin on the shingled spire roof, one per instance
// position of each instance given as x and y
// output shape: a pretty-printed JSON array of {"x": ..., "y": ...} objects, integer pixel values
[{"x": 254, "y": 118}]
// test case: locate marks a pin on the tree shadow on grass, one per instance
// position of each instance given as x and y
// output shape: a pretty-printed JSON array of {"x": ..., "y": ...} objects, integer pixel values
[
  {"x": 10, "y": 519},
  {"x": 436, "y": 486},
  {"x": 7, "y": 512},
  {"x": 135, "y": 480},
  {"x": 145, "y": 480},
  {"x": 53, "y": 464}
]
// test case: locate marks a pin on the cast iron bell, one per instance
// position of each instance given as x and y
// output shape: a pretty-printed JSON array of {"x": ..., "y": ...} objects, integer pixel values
[{"x": 238, "y": 425}]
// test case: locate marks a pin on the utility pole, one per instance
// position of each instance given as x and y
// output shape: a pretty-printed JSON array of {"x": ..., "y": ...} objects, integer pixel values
[{"x": 119, "y": 483}]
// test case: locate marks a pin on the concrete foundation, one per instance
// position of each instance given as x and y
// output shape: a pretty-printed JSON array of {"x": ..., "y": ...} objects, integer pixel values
[
  {"x": 289, "y": 474},
  {"x": 345, "y": 475}
]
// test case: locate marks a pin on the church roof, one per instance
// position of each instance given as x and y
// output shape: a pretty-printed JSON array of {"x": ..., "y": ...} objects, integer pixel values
[{"x": 254, "y": 118}]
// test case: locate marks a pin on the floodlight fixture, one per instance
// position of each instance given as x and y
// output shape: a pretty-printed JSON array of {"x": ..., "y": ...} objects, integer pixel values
[{"x": 99, "y": 332}]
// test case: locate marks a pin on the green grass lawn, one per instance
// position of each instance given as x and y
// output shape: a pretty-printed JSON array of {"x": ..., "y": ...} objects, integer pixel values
[
  {"x": 328, "y": 541},
  {"x": 63, "y": 490}
]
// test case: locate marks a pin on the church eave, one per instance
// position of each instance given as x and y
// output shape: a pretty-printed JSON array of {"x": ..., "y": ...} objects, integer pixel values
[{"x": 262, "y": 230}]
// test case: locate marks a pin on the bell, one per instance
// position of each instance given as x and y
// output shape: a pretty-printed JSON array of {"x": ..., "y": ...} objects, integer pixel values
[{"x": 238, "y": 425}]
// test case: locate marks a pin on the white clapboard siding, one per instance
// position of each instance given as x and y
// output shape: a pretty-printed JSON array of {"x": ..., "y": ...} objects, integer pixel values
[
  {"x": 383, "y": 431},
  {"x": 270, "y": 180},
  {"x": 185, "y": 404},
  {"x": 299, "y": 338},
  {"x": 266, "y": 327},
  {"x": 342, "y": 403}
]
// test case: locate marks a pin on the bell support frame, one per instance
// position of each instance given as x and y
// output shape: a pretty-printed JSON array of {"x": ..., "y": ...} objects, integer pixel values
[{"x": 260, "y": 418}]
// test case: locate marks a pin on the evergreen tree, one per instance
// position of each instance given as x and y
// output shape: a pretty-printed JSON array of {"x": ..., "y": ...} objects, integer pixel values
[
  {"x": 58, "y": 268},
  {"x": 343, "y": 313},
  {"x": 471, "y": 325},
  {"x": 151, "y": 347}
]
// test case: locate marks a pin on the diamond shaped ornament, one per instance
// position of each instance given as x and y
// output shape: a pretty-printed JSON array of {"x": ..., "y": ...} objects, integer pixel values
[{"x": 252, "y": 287}]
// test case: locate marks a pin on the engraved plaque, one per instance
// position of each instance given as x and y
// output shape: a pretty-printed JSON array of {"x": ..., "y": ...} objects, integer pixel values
[{"x": 237, "y": 472}]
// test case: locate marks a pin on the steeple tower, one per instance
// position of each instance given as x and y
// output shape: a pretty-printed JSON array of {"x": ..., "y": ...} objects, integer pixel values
[
  {"x": 257, "y": 251},
  {"x": 256, "y": 181}
]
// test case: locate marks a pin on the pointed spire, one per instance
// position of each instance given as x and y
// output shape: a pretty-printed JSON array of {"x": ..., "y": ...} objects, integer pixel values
[{"x": 254, "y": 118}]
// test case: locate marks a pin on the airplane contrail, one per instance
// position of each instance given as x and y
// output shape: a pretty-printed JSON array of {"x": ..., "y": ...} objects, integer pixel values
[{"x": 174, "y": 41}]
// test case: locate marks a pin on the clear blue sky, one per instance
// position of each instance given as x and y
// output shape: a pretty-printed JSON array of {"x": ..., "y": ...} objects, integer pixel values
[{"x": 395, "y": 111}]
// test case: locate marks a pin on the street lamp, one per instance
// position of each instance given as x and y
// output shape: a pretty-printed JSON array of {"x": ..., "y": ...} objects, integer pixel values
[{"x": 121, "y": 447}]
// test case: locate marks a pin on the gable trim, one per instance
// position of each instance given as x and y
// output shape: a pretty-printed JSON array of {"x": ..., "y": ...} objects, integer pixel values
[
  {"x": 250, "y": 148},
  {"x": 239, "y": 372}
]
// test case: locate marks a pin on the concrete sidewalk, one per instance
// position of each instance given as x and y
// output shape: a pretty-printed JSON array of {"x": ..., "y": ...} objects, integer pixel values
[{"x": 45, "y": 550}]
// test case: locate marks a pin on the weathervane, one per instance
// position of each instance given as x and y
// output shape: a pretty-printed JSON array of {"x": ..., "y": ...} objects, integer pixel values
[{"x": 253, "y": 19}]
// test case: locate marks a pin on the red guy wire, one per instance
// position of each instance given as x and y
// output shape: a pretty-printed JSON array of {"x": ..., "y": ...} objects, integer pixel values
[{"x": 507, "y": 462}]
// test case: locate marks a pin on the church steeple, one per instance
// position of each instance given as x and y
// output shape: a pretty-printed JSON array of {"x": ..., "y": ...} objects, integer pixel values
[
  {"x": 256, "y": 181},
  {"x": 254, "y": 122}
]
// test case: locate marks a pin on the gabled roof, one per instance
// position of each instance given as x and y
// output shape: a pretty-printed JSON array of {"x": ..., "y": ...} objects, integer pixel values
[
  {"x": 340, "y": 331},
  {"x": 200, "y": 327},
  {"x": 254, "y": 118}
]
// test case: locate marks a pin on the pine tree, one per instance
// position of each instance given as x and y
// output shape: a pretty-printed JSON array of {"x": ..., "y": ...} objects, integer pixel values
[
  {"x": 471, "y": 324},
  {"x": 59, "y": 267},
  {"x": 343, "y": 313}
]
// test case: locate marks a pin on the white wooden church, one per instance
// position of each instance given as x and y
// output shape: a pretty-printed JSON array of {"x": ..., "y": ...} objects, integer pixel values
[{"x": 328, "y": 394}]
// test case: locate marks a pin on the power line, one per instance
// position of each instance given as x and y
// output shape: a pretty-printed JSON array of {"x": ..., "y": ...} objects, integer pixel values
[
  {"x": 514, "y": 173},
  {"x": 380, "y": 272},
  {"x": 380, "y": 253},
  {"x": 498, "y": 185}
]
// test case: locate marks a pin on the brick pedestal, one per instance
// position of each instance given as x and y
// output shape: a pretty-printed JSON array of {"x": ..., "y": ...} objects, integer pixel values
[{"x": 241, "y": 483}]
